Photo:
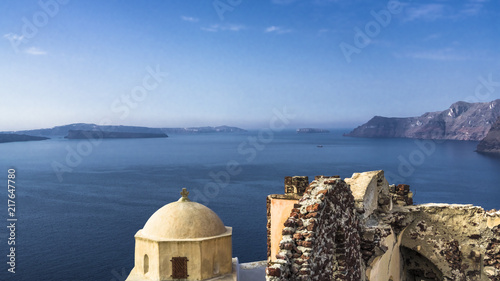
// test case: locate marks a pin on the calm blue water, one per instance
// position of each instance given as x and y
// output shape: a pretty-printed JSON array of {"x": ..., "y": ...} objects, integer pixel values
[{"x": 82, "y": 228}]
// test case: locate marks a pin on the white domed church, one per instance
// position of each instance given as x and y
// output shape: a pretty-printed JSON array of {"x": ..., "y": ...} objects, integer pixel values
[{"x": 183, "y": 240}]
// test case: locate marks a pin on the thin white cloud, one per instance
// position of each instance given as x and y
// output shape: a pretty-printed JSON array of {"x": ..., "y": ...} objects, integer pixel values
[
  {"x": 433, "y": 36},
  {"x": 315, "y": 2},
  {"x": 277, "y": 29},
  {"x": 212, "y": 28},
  {"x": 13, "y": 37},
  {"x": 282, "y": 2},
  {"x": 234, "y": 27},
  {"x": 271, "y": 29},
  {"x": 473, "y": 7},
  {"x": 325, "y": 2},
  {"x": 223, "y": 27},
  {"x": 381, "y": 43},
  {"x": 446, "y": 54},
  {"x": 426, "y": 12},
  {"x": 323, "y": 31},
  {"x": 190, "y": 19},
  {"x": 432, "y": 12},
  {"x": 35, "y": 51}
]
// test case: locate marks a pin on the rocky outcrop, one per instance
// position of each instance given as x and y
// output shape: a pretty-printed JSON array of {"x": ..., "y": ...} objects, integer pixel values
[
  {"x": 17, "y": 137},
  {"x": 462, "y": 121},
  {"x": 81, "y": 134},
  {"x": 491, "y": 143},
  {"x": 311, "y": 131}
]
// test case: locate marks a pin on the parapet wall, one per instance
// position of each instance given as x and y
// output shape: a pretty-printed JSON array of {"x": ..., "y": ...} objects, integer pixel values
[{"x": 278, "y": 210}]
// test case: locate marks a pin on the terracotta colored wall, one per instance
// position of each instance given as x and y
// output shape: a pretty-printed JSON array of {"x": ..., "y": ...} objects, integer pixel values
[{"x": 280, "y": 211}]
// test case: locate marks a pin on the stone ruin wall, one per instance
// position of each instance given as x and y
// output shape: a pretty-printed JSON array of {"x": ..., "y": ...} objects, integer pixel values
[
  {"x": 315, "y": 244},
  {"x": 294, "y": 190},
  {"x": 366, "y": 229},
  {"x": 462, "y": 241}
]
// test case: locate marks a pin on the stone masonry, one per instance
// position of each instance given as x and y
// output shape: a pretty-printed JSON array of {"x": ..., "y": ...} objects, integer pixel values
[
  {"x": 311, "y": 234},
  {"x": 362, "y": 228},
  {"x": 296, "y": 185}
]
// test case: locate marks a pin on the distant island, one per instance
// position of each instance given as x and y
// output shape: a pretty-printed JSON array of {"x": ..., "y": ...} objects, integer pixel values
[
  {"x": 17, "y": 138},
  {"x": 462, "y": 121},
  {"x": 64, "y": 130},
  {"x": 311, "y": 131},
  {"x": 82, "y": 134},
  {"x": 491, "y": 143},
  {"x": 201, "y": 130}
]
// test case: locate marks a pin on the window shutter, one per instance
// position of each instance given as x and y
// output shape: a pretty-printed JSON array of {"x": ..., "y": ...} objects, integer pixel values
[{"x": 179, "y": 267}]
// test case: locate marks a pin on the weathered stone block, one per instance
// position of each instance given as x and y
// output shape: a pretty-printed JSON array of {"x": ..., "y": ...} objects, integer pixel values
[{"x": 272, "y": 271}]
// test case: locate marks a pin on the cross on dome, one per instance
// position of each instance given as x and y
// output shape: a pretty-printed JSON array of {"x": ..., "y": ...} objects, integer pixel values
[{"x": 184, "y": 197}]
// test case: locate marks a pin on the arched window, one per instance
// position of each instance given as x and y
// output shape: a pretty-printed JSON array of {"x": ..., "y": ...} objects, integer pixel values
[
  {"x": 216, "y": 268},
  {"x": 146, "y": 264}
]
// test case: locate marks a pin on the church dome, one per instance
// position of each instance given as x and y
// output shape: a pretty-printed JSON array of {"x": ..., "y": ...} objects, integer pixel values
[{"x": 183, "y": 220}]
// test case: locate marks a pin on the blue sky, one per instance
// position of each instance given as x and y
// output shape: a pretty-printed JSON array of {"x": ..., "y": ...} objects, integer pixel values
[{"x": 333, "y": 63}]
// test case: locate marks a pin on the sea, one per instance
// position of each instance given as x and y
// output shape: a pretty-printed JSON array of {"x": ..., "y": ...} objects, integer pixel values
[{"x": 79, "y": 203}]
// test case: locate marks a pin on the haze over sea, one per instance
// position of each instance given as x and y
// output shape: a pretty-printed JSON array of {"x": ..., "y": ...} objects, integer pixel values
[{"x": 83, "y": 227}]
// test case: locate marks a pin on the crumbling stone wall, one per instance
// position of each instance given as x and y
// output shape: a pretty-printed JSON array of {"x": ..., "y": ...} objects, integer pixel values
[
  {"x": 364, "y": 229},
  {"x": 321, "y": 237},
  {"x": 401, "y": 194},
  {"x": 492, "y": 256},
  {"x": 460, "y": 240},
  {"x": 268, "y": 226},
  {"x": 296, "y": 185},
  {"x": 371, "y": 242}
]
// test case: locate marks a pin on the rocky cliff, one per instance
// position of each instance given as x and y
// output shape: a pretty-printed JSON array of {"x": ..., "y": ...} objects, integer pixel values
[
  {"x": 491, "y": 143},
  {"x": 17, "y": 137},
  {"x": 462, "y": 121}
]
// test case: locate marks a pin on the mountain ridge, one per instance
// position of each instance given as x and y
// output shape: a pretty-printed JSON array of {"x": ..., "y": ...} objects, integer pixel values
[
  {"x": 64, "y": 129},
  {"x": 461, "y": 121},
  {"x": 82, "y": 134}
]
